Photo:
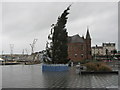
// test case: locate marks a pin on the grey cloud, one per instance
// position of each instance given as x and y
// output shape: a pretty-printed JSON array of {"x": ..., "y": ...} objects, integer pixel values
[{"x": 22, "y": 22}]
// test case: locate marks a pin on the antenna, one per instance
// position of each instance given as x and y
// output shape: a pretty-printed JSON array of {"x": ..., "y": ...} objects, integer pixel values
[{"x": 33, "y": 45}]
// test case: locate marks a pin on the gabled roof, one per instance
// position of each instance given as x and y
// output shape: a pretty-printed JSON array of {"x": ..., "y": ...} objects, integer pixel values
[{"x": 75, "y": 39}]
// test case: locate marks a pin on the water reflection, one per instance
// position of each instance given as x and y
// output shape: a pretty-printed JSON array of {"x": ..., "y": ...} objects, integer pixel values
[
  {"x": 31, "y": 76},
  {"x": 58, "y": 79}
]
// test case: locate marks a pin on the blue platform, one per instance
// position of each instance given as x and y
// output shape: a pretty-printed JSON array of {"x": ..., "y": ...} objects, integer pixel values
[{"x": 54, "y": 67}]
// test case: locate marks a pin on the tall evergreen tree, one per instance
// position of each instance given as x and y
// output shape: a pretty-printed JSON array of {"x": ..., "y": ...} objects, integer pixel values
[{"x": 59, "y": 39}]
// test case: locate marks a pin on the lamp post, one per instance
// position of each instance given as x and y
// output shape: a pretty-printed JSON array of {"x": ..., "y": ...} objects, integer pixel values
[{"x": 79, "y": 68}]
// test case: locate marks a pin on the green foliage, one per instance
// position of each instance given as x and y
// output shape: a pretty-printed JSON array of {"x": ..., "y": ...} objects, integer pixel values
[
  {"x": 114, "y": 51},
  {"x": 97, "y": 67},
  {"x": 59, "y": 35},
  {"x": 94, "y": 60},
  {"x": 84, "y": 61},
  {"x": 59, "y": 40}
]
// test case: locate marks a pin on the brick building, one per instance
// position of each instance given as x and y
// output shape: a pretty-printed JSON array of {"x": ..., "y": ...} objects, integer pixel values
[{"x": 79, "y": 48}]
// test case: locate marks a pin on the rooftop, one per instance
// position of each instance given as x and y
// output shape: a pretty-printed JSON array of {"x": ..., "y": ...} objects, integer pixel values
[{"x": 75, "y": 39}]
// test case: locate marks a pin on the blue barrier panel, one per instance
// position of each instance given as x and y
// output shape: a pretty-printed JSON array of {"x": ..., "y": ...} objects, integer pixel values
[{"x": 56, "y": 67}]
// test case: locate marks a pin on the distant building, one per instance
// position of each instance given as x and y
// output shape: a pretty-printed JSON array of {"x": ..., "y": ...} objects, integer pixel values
[
  {"x": 79, "y": 48},
  {"x": 97, "y": 50},
  {"x": 108, "y": 48},
  {"x": 105, "y": 49}
]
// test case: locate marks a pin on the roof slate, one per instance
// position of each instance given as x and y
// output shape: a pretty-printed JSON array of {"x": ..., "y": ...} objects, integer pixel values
[{"x": 75, "y": 39}]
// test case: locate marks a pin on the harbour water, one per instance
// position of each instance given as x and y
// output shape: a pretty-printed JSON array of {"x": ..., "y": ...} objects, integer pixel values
[{"x": 31, "y": 76}]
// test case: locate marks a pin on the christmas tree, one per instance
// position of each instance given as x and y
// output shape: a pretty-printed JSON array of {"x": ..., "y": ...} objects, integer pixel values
[{"x": 59, "y": 36}]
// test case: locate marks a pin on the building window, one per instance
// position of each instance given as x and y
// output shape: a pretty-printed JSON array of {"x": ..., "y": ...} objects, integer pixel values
[
  {"x": 75, "y": 55},
  {"x": 82, "y": 55}
]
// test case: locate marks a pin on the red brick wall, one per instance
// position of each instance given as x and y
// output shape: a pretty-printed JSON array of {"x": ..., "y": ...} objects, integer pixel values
[
  {"x": 79, "y": 51},
  {"x": 76, "y": 51},
  {"x": 88, "y": 49}
]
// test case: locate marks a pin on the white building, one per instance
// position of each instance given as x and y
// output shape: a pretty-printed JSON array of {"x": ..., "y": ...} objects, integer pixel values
[
  {"x": 97, "y": 50},
  {"x": 108, "y": 47},
  {"x": 105, "y": 49}
]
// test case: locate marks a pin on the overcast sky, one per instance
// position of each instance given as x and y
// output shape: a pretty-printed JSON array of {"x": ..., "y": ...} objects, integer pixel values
[{"x": 22, "y": 22}]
